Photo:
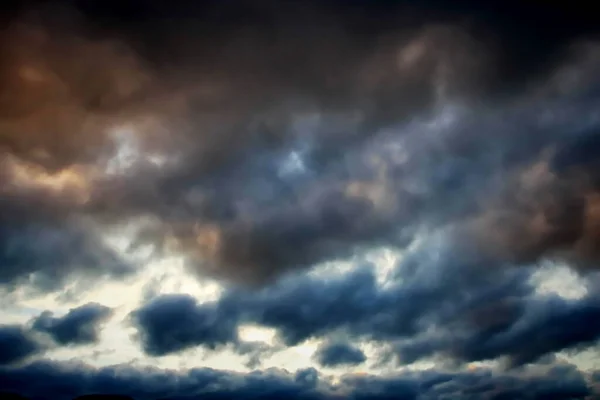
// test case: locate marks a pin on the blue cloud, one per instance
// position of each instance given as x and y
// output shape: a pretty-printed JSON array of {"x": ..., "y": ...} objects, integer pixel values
[{"x": 80, "y": 326}]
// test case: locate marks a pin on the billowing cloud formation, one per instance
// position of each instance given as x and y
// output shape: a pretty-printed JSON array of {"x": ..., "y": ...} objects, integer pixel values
[
  {"x": 42, "y": 379},
  {"x": 304, "y": 307},
  {"x": 16, "y": 344},
  {"x": 334, "y": 354},
  {"x": 80, "y": 326},
  {"x": 261, "y": 141},
  {"x": 173, "y": 323},
  {"x": 523, "y": 332},
  {"x": 334, "y": 137},
  {"x": 439, "y": 306}
]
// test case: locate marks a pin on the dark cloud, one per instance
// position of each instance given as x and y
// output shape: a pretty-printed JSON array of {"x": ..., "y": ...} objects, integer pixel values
[
  {"x": 432, "y": 291},
  {"x": 249, "y": 219},
  {"x": 334, "y": 354},
  {"x": 522, "y": 332},
  {"x": 40, "y": 244},
  {"x": 43, "y": 380},
  {"x": 80, "y": 326},
  {"x": 17, "y": 344},
  {"x": 299, "y": 308},
  {"x": 47, "y": 256},
  {"x": 303, "y": 308},
  {"x": 438, "y": 291},
  {"x": 173, "y": 323},
  {"x": 110, "y": 117},
  {"x": 442, "y": 305},
  {"x": 548, "y": 325},
  {"x": 260, "y": 140}
]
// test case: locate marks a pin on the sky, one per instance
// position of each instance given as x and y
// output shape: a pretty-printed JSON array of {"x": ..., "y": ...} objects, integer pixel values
[{"x": 300, "y": 199}]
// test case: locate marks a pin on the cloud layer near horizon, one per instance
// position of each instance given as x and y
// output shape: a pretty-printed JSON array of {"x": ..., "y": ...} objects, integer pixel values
[{"x": 560, "y": 382}]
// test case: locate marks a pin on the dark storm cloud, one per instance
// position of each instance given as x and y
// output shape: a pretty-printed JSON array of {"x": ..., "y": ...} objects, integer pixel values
[
  {"x": 80, "y": 326},
  {"x": 40, "y": 243},
  {"x": 334, "y": 354},
  {"x": 299, "y": 308},
  {"x": 253, "y": 223},
  {"x": 302, "y": 308},
  {"x": 17, "y": 344},
  {"x": 436, "y": 288},
  {"x": 227, "y": 95},
  {"x": 43, "y": 380},
  {"x": 46, "y": 136},
  {"x": 47, "y": 254},
  {"x": 173, "y": 323},
  {"x": 442, "y": 304},
  {"x": 522, "y": 332}
]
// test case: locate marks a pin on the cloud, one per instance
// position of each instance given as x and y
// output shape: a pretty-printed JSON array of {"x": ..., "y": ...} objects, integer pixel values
[
  {"x": 17, "y": 344},
  {"x": 41, "y": 243},
  {"x": 299, "y": 308},
  {"x": 442, "y": 303},
  {"x": 336, "y": 354},
  {"x": 246, "y": 222},
  {"x": 66, "y": 380},
  {"x": 520, "y": 331},
  {"x": 256, "y": 159},
  {"x": 435, "y": 287},
  {"x": 172, "y": 323},
  {"x": 80, "y": 326},
  {"x": 303, "y": 308},
  {"x": 105, "y": 127}
]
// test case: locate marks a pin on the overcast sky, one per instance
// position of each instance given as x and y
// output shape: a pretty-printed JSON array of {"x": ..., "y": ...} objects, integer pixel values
[{"x": 300, "y": 200}]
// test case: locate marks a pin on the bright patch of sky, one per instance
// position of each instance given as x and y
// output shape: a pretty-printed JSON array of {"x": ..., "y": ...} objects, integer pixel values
[
  {"x": 553, "y": 278},
  {"x": 129, "y": 152}
]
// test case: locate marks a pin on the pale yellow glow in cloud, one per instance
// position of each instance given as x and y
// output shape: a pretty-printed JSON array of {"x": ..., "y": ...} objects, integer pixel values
[
  {"x": 255, "y": 333},
  {"x": 72, "y": 180}
]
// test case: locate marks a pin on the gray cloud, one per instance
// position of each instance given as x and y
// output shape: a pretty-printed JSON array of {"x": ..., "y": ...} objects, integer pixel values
[
  {"x": 258, "y": 158},
  {"x": 522, "y": 332},
  {"x": 80, "y": 326},
  {"x": 441, "y": 304},
  {"x": 17, "y": 344},
  {"x": 432, "y": 291},
  {"x": 334, "y": 354},
  {"x": 378, "y": 160},
  {"x": 173, "y": 323},
  {"x": 64, "y": 381}
]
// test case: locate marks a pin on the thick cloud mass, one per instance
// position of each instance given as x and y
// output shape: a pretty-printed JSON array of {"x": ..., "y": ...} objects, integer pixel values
[
  {"x": 59, "y": 381},
  {"x": 522, "y": 331},
  {"x": 262, "y": 142},
  {"x": 173, "y": 323},
  {"x": 303, "y": 134},
  {"x": 444, "y": 307},
  {"x": 16, "y": 344},
  {"x": 79, "y": 326},
  {"x": 339, "y": 353}
]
